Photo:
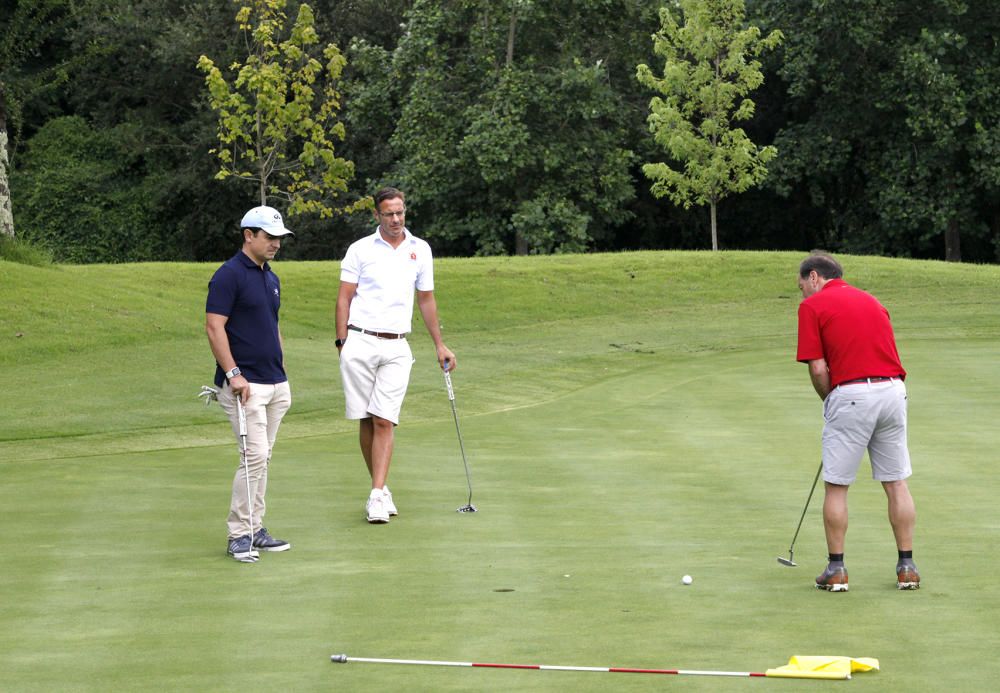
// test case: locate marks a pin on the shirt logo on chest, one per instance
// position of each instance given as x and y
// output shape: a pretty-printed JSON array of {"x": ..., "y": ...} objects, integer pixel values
[{"x": 413, "y": 256}]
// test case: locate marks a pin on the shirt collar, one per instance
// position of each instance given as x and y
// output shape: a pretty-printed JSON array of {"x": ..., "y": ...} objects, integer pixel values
[
  {"x": 250, "y": 264},
  {"x": 377, "y": 236}
]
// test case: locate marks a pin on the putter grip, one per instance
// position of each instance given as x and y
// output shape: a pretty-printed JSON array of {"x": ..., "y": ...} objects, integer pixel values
[
  {"x": 340, "y": 659},
  {"x": 447, "y": 381},
  {"x": 242, "y": 416}
]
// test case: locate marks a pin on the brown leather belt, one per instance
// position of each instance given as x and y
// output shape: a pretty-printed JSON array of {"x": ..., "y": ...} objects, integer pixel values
[
  {"x": 380, "y": 335},
  {"x": 872, "y": 379}
]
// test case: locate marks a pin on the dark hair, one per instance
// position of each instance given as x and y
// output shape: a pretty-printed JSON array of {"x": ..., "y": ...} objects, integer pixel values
[
  {"x": 388, "y": 194},
  {"x": 824, "y": 265},
  {"x": 254, "y": 230}
]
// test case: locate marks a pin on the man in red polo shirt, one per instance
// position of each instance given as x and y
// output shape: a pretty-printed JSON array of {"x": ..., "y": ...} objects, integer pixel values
[{"x": 846, "y": 339}]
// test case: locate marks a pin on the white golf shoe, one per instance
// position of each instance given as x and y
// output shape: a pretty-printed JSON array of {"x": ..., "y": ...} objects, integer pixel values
[
  {"x": 390, "y": 507},
  {"x": 375, "y": 509}
]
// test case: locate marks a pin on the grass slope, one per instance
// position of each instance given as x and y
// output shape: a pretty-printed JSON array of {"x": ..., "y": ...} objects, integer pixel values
[{"x": 629, "y": 418}]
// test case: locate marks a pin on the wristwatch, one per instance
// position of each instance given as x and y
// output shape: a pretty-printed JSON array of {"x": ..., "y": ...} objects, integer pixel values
[
  {"x": 339, "y": 342},
  {"x": 233, "y": 373}
]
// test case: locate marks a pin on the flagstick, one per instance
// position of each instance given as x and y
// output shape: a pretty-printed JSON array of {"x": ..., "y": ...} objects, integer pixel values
[{"x": 343, "y": 659}]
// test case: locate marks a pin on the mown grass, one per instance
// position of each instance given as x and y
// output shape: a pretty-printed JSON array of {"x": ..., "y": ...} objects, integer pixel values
[{"x": 629, "y": 418}]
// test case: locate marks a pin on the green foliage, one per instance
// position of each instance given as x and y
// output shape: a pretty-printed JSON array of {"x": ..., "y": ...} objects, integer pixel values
[
  {"x": 886, "y": 114},
  {"x": 78, "y": 197},
  {"x": 278, "y": 115},
  {"x": 709, "y": 68},
  {"x": 512, "y": 130},
  {"x": 893, "y": 122},
  {"x": 23, "y": 252},
  {"x": 31, "y": 66}
]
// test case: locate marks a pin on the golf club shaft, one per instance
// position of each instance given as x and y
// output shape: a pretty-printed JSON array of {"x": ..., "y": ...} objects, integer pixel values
[
  {"x": 458, "y": 430},
  {"x": 242, "y": 417},
  {"x": 343, "y": 659},
  {"x": 809, "y": 498}
]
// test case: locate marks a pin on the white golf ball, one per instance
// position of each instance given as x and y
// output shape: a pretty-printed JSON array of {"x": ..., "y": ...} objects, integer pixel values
[{"x": 687, "y": 580}]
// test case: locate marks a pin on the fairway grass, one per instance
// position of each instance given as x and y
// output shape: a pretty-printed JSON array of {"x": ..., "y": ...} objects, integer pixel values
[{"x": 628, "y": 419}]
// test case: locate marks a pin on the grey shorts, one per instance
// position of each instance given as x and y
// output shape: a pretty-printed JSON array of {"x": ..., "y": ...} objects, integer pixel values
[{"x": 865, "y": 416}]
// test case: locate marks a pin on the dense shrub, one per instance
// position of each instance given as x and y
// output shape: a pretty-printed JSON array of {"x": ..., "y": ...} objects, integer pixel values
[{"x": 80, "y": 193}]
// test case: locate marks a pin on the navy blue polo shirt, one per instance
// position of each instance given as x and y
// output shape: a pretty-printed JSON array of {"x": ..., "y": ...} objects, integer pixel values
[{"x": 250, "y": 297}]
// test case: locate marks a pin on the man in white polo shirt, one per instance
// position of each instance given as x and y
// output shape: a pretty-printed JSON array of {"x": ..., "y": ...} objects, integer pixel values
[{"x": 374, "y": 311}]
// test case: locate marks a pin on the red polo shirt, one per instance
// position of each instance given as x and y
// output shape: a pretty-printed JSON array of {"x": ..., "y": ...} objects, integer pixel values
[{"x": 851, "y": 330}]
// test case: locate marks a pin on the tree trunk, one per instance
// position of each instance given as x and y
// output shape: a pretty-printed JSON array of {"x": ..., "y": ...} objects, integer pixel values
[
  {"x": 6, "y": 212},
  {"x": 996, "y": 235},
  {"x": 262, "y": 164},
  {"x": 520, "y": 243},
  {"x": 952, "y": 242},
  {"x": 715, "y": 234}
]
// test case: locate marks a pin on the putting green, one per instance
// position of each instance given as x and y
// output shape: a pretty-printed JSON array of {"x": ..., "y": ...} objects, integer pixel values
[{"x": 609, "y": 457}]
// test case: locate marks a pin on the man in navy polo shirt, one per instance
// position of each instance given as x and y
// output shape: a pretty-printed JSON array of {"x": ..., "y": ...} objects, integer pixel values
[
  {"x": 241, "y": 320},
  {"x": 847, "y": 341}
]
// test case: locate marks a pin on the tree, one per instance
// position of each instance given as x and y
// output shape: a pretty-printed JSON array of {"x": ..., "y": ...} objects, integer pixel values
[
  {"x": 508, "y": 126},
  {"x": 709, "y": 68},
  {"x": 83, "y": 194},
  {"x": 278, "y": 116},
  {"x": 28, "y": 67},
  {"x": 892, "y": 123}
]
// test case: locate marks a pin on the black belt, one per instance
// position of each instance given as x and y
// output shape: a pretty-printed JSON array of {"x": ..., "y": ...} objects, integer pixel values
[
  {"x": 871, "y": 379},
  {"x": 380, "y": 335}
]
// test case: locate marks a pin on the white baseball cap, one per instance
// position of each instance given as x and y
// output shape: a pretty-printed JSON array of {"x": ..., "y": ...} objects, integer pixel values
[{"x": 268, "y": 219}]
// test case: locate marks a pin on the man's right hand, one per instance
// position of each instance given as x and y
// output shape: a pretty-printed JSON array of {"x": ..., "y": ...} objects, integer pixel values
[{"x": 240, "y": 387}]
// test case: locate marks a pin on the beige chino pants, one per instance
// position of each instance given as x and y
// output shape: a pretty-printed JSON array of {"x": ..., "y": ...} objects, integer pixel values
[{"x": 264, "y": 410}]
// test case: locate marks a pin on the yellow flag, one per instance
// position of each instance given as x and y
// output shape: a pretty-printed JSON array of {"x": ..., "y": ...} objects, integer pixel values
[{"x": 823, "y": 667}]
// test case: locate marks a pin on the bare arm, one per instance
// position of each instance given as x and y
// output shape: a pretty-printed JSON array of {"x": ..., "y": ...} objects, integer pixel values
[
  {"x": 218, "y": 340},
  {"x": 344, "y": 297},
  {"x": 429, "y": 312},
  {"x": 819, "y": 373}
]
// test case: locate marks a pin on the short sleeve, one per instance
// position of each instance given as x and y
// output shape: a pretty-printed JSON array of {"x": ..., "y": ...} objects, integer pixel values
[
  {"x": 350, "y": 266},
  {"x": 222, "y": 289},
  {"x": 425, "y": 273},
  {"x": 810, "y": 346}
]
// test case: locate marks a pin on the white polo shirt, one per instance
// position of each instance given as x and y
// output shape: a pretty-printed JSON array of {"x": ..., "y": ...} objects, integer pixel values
[{"x": 386, "y": 279}]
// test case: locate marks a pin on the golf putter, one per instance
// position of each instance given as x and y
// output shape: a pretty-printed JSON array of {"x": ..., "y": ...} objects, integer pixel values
[
  {"x": 788, "y": 561},
  {"x": 468, "y": 507},
  {"x": 242, "y": 416}
]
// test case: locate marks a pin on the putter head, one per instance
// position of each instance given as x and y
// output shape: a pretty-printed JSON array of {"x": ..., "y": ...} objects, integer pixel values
[
  {"x": 339, "y": 658},
  {"x": 787, "y": 561},
  {"x": 470, "y": 508}
]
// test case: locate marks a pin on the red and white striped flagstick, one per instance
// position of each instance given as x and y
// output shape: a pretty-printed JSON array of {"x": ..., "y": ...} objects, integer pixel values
[{"x": 344, "y": 659}]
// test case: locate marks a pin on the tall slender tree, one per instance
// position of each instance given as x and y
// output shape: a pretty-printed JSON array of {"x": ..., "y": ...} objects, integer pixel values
[
  {"x": 710, "y": 67},
  {"x": 278, "y": 117}
]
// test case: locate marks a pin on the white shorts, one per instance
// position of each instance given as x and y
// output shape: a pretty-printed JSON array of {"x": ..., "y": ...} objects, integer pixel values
[
  {"x": 865, "y": 416},
  {"x": 375, "y": 373}
]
